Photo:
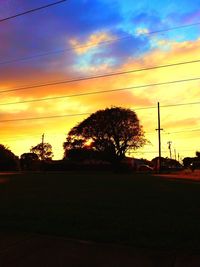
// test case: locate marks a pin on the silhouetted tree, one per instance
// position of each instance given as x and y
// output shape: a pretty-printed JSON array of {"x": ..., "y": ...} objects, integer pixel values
[
  {"x": 111, "y": 132},
  {"x": 81, "y": 154},
  {"x": 198, "y": 154},
  {"x": 43, "y": 151},
  {"x": 187, "y": 161},
  {"x": 193, "y": 163},
  {"x": 8, "y": 160}
]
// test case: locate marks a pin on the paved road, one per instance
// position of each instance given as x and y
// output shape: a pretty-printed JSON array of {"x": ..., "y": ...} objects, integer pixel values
[
  {"x": 28, "y": 250},
  {"x": 182, "y": 175}
]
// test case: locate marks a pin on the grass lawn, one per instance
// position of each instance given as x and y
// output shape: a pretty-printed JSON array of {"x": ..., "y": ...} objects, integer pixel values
[{"x": 133, "y": 209}]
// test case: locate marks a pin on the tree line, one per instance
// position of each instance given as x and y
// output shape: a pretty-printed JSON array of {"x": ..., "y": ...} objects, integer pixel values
[{"x": 106, "y": 136}]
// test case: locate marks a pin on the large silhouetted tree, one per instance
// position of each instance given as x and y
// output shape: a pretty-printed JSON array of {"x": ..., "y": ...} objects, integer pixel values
[
  {"x": 8, "y": 160},
  {"x": 111, "y": 132},
  {"x": 43, "y": 151}
]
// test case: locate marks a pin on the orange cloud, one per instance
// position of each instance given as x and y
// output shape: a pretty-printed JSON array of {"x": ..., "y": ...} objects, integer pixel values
[
  {"x": 171, "y": 118},
  {"x": 93, "y": 40}
]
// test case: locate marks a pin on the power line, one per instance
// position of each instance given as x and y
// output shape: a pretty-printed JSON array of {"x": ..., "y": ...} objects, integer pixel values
[
  {"x": 145, "y": 152},
  {"x": 57, "y": 116},
  {"x": 149, "y": 152},
  {"x": 32, "y": 10},
  {"x": 184, "y": 131},
  {"x": 83, "y": 114},
  {"x": 58, "y": 97},
  {"x": 174, "y": 105},
  {"x": 105, "y": 91},
  {"x": 98, "y": 76},
  {"x": 180, "y": 104},
  {"x": 95, "y": 44},
  {"x": 25, "y": 136},
  {"x": 46, "y": 117},
  {"x": 54, "y": 117},
  {"x": 51, "y": 134}
]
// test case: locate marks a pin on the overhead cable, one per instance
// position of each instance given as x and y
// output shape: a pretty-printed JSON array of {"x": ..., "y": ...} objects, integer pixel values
[
  {"x": 31, "y": 10},
  {"x": 79, "y": 79},
  {"x": 65, "y": 50}
]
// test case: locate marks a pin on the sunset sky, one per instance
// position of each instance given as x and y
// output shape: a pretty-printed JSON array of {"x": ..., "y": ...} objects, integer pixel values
[{"x": 82, "y": 38}]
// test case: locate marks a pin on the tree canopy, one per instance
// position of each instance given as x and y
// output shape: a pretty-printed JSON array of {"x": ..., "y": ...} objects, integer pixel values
[
  {"x": 8, "y": 160},
  {"x": 43, "y": 151},
  {"x": 198, "y": 154},
  {"x": 29, "y": 156},
  {"x": 112, "y": 131}
]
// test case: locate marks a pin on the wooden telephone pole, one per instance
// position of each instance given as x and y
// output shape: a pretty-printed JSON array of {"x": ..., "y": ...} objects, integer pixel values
[
  {"x": 42, "y": 156},
  {"x": 159, "y": 139},
  {"x": 170, "y": 150}
]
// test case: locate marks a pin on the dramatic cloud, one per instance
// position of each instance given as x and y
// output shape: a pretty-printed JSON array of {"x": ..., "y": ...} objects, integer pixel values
[{"x": 84, "y": 38}]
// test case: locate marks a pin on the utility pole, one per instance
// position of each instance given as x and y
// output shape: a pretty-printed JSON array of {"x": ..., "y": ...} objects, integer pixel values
[
  {"x": 175, "y": 154},
  {"x": 42, "y": 154},
  {"x": 170, "y": 150},
  {"x": 159, "y": 139}
]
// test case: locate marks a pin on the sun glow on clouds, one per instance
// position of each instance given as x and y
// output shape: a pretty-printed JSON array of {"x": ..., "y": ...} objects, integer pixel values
[
  {"x": 169, "y": 94},
  {"x": 12, "y": 109},
  {"x": 89, "y": 56},
  {"x": 183, "y": 92},
  {"x": 93, "y": 40},
  {"x": 86, "y": 61}
]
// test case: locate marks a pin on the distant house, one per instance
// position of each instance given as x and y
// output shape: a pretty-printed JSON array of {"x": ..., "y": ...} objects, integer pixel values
[
  {"x": 135, "y": 163},
  {"x": 166, "y": 164}
]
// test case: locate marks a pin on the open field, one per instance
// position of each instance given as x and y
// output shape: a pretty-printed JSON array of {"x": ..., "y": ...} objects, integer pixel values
[{"x": 135, "y": 209}]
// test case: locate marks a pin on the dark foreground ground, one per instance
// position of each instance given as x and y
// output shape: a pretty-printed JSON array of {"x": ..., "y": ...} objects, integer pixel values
[
  {"x": 151, "y": 221},
  {"x": 22, "y": 250}
]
